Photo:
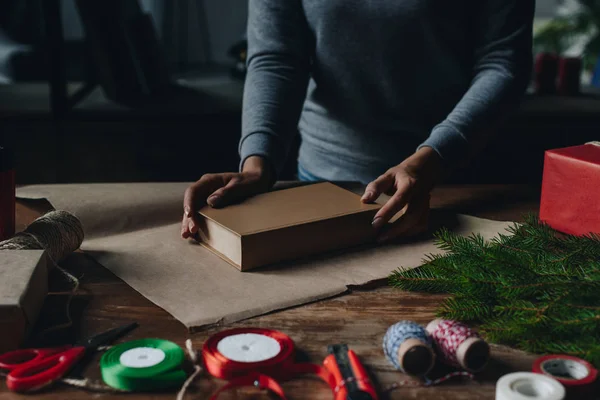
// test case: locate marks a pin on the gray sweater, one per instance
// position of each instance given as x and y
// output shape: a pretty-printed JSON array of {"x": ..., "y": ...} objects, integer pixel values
[{"x": 367, "y": 82}]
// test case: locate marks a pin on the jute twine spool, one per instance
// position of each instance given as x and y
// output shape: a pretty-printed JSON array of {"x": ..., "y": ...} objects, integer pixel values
[{"x": 58, "y": 232}]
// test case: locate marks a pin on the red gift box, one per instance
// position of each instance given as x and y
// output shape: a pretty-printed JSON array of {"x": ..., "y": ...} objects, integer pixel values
[{"x": 570, "y": 200}]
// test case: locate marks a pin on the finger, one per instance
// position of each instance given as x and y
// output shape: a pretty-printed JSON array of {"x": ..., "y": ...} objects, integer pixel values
[
  {"x": 220, "y": 197},
  {"x": 237, "y": 189},
  {"x": 380, "y": 185},
  {"x": 414, "y": 221},
  {"x": 190, "y": 207},
  {"x": 195, "y": 198},
  {"x": 185, "y": 227},
  {"x": 394, "y": 205}
]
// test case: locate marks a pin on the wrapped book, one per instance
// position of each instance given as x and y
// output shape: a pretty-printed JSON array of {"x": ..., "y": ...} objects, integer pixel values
[{"x": 286, "y": 225}]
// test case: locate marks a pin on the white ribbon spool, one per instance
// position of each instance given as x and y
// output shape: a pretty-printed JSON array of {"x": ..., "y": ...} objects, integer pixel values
[
  {"x": 529, "y": 386},
  {"x": 249, "y": 347}
]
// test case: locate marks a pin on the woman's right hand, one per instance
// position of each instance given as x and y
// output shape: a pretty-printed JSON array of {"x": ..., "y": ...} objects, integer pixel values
[{"x": 220, "y": 190}]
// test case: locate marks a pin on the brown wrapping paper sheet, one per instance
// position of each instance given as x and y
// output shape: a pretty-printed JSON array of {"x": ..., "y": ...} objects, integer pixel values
[{"x": 134, "y": 231}]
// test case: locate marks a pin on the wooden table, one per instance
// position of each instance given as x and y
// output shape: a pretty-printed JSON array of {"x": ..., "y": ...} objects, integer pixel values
[{"x": 359, "y": 318}]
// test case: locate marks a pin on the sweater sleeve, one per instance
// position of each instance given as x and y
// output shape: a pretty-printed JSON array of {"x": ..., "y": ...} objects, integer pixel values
[
  {"x": 501, "y": 74},
  {"x": 279, "y": 54}
]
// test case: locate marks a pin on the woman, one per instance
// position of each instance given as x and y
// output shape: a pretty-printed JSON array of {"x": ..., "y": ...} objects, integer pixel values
[{"x": 391, "y": 93}]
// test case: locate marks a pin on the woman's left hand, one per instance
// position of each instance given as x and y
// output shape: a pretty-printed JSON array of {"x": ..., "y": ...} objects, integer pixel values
[{"x": 409, "y": 185}]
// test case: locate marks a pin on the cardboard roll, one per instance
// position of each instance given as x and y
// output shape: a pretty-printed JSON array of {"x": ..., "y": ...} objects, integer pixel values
[{"x": 416, "y": 358}]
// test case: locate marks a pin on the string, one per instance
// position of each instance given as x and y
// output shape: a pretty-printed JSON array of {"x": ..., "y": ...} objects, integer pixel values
[
  {"x": 59, "y": 233},
  {"x": 428, "y": 382},
  {"x": 92, "y": 386},
  {"x": 193, "y": 354},
  {"x": 448, "y": 335},
  {"x": 75, "y": 287},
  {"x": 398, "y": 334}
]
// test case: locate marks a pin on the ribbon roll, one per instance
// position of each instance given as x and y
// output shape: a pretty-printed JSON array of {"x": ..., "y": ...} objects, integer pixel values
[
  {"x": 256, "y": 357},
  {"x": 577, "y": 375},
  {"x": 143, "y": 365}
]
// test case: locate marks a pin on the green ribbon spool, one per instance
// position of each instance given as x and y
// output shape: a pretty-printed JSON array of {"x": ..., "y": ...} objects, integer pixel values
[{"x": 143, "y": 365}]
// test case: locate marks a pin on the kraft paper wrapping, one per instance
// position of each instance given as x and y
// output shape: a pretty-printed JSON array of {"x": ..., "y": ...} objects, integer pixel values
[{"x": 134, "y": 231}]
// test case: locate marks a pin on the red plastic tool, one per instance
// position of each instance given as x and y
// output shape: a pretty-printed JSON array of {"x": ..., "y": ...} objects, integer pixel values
[
  {"x": 352, "y": 380},
  {"x": 33, "y": 369}
]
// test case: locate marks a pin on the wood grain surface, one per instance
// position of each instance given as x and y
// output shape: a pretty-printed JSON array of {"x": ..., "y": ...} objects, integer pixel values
[{"x": 359, "y": 318}]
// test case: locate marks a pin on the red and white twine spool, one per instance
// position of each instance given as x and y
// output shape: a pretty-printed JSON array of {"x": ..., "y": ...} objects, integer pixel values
[{"x": 458, "y": 345}]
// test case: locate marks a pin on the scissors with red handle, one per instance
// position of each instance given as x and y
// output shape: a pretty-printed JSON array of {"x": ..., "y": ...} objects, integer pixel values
[{"x": 33, "y": 369}]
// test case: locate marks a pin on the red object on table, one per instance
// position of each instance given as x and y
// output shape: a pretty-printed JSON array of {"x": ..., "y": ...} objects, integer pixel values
[
  {"x": 265, "y": 374},
  {"x": 546, "y": 72},
  {"x": 571, "y": 189},
  {"x": 7, "y": 194},
  {"x": 34, "y": 369},
  {"x": 351, "y": 378},
  {"x": 569, "y": 75}
]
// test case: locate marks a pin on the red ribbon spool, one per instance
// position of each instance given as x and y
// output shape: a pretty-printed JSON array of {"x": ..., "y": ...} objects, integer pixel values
[
  {"x": 263, "y": 374},
  {"x": 577, "y": 376}
]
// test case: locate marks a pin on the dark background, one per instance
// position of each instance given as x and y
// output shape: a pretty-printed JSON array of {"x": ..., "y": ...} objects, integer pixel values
[{"x": 182, "y": 135}]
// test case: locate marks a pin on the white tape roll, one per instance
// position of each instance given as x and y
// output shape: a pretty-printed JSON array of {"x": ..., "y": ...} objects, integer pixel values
[
  {"x": 529, "y": 386},
  {"x": 249, "y": 347}
]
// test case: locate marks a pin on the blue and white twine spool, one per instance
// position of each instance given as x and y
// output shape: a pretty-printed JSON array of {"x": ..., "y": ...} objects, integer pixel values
[{"x": 399, "y": 333}]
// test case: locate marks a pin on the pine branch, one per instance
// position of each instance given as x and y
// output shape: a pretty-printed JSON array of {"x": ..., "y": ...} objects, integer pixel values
[
  {"x": 423, "y": 280},
  {"x": 465, "y": 309},
  {"x": 530, "y": 287}
]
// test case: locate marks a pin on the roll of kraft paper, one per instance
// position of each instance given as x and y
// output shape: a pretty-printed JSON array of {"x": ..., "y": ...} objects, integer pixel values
[
  {"x": 577, "y": 375},
  {"x": 143, "y": 365},
  {"x": 529, "y": 386}
]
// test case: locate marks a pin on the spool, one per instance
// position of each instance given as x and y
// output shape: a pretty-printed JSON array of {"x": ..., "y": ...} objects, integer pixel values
[
  {"x": 529, "y": 386},
  {"x": 255, "y": 357},
  {"x": 236, "y": 352},
  {"x": 576, "y": 375},
  {"x": 458, "y": 345},
  {"x": 143, "y": 365},
  {"x": 409, "y": 348},
  {"x": 58, "y": 232}
]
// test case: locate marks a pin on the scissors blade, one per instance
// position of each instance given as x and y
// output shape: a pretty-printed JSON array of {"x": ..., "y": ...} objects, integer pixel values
[{"x": 108, "y": 336}]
